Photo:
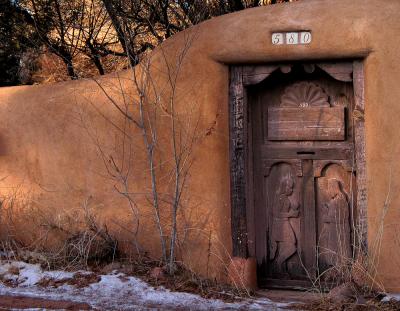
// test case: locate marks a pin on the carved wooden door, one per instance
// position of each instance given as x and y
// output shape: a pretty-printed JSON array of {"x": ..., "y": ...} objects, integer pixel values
[{"x": 303, "y": 176}]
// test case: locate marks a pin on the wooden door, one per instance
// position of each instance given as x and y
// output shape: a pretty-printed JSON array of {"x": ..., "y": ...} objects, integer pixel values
[{"x": 303, "y": 176}]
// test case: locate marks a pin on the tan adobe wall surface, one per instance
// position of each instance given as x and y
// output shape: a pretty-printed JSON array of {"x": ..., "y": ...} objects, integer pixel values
[{"x": 49, "y": 135}]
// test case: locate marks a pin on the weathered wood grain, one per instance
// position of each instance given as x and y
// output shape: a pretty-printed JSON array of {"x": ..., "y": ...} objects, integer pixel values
[
  {"x": 237, "y": 112},
  {"x": 310, "y": 123}
]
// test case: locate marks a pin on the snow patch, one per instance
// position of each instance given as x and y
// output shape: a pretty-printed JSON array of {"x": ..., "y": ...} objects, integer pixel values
[
  {"x": 391, "y": 296},
  {"x": 25, "y": 274},
  {"x": 115, "y": 292}
]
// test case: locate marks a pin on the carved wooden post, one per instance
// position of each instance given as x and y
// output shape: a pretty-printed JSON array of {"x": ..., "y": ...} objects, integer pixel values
[
  {"x": 237, "y": 155},
  {"x": 359, "y": 129}
]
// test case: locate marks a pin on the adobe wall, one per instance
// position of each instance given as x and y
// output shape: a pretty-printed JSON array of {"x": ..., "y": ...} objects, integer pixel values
[{"x": 50, "y": 135}]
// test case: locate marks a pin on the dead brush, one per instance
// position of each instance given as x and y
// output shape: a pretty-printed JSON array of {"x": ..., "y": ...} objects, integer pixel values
[
  {"x": 352, "y": 282},
  {"x": 81, "y": 240},
  {"x": 89, "y": 243},
  {"x": 89, "y": 247},
  {"x": 12, "y": 246},
  {"x": 348, "y": 281}
]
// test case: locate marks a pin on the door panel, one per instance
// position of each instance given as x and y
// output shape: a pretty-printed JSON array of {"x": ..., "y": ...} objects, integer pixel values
[
  {"x": 335, "y": 193},
  {"x": 303, "y": 176},
  {"x": 283, "y": 202},
  {"x": 306, "y": 123}
]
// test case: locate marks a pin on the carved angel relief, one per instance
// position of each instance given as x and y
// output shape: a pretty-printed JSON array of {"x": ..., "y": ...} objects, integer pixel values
[
  {"x": 335, "y": 237},
  {"x": 304, "y": 94},
  {"x": 284, "y": 235}
]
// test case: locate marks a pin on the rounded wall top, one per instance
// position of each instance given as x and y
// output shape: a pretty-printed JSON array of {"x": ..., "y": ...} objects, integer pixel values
[{"x": 339, "y": 29}]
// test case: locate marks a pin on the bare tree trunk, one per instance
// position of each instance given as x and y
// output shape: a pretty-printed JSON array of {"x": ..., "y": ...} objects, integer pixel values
[
  {"x": 150, "y": 141},
  {"x": 236, "y": 5},
  {"x": 151, "y": 105},
  {"x": 67, "y": 59},
  {"x": 177, "y": 190},
  {"x": 119, "y": 28},
  {"x": 97, "y": 62},
  {"x": 115, "y": 21},
  {"x": 94, "y": 56}
]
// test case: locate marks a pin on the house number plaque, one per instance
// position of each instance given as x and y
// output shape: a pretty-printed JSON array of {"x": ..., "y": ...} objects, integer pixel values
[{"x": 291, "y": 38}]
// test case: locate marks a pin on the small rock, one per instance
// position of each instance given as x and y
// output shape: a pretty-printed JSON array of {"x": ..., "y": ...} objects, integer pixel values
[
  {"x": 111, "y": 267},
  {"x": 157, "y": 273},
  {"x": 33, "y": 257},
  {"x": 13, "y": 270},
  {"x": 343, "y": 292}
]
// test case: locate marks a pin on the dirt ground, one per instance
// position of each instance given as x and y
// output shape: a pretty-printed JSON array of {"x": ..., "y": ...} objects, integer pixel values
[
  {"x": 21, "y": 302},
  {"x": 301, "y": 300},
  {"x": 281, "y": 295}
]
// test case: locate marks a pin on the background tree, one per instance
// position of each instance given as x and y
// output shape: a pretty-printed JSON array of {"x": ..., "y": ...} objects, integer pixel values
[
  {"x": 58, "y": 23},
  {"x": 93, "y": 37},
  {"x": 17, "y": 37},
  {"x": 98, "y": 39}
]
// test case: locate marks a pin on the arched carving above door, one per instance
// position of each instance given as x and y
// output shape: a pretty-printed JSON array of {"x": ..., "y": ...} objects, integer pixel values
[
  {"x": 304, "y": 94},
  {"x": 305, "y": 114}
]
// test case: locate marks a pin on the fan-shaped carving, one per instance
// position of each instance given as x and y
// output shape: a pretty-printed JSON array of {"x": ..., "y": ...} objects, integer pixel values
[{"x": 304, "y": 94}]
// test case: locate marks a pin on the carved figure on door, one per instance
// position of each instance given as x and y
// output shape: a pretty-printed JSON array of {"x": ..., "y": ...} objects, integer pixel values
[
  {"x": 283, "y": 235},
  {"x": 335, "y": 239}
]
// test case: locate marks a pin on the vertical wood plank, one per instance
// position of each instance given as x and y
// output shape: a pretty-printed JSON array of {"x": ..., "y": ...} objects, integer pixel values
[
  {"x": 237, "y": 118},
  {"x": 260, "y": 187},
  {"x": 249, "y": 172},
  {"x": 309, "y": 218},
  {"x": 359, "y": 131}
]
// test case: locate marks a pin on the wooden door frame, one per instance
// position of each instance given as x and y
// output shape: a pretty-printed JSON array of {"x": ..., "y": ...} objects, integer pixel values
[{"x": 241, "y": 166}]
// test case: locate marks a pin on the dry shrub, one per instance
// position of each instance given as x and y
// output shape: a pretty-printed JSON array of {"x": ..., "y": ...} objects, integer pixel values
[
  {"x": 50, "y": 68},
  {"x": 353, "y": 281},
  {"x": 86, "y": 242},
  {"x": 69, "y": 240},
  {"x": 89, "y": 247}
]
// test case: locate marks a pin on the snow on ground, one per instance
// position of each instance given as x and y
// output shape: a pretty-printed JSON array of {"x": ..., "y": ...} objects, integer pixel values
[
  {"x": 29, "y": 274},
  {"x": 114, "y": 291},
  {"x": 391, "y": 296}
]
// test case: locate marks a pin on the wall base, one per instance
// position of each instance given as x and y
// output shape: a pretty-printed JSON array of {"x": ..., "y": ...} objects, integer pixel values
[{"x": 242, "y": 272}]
